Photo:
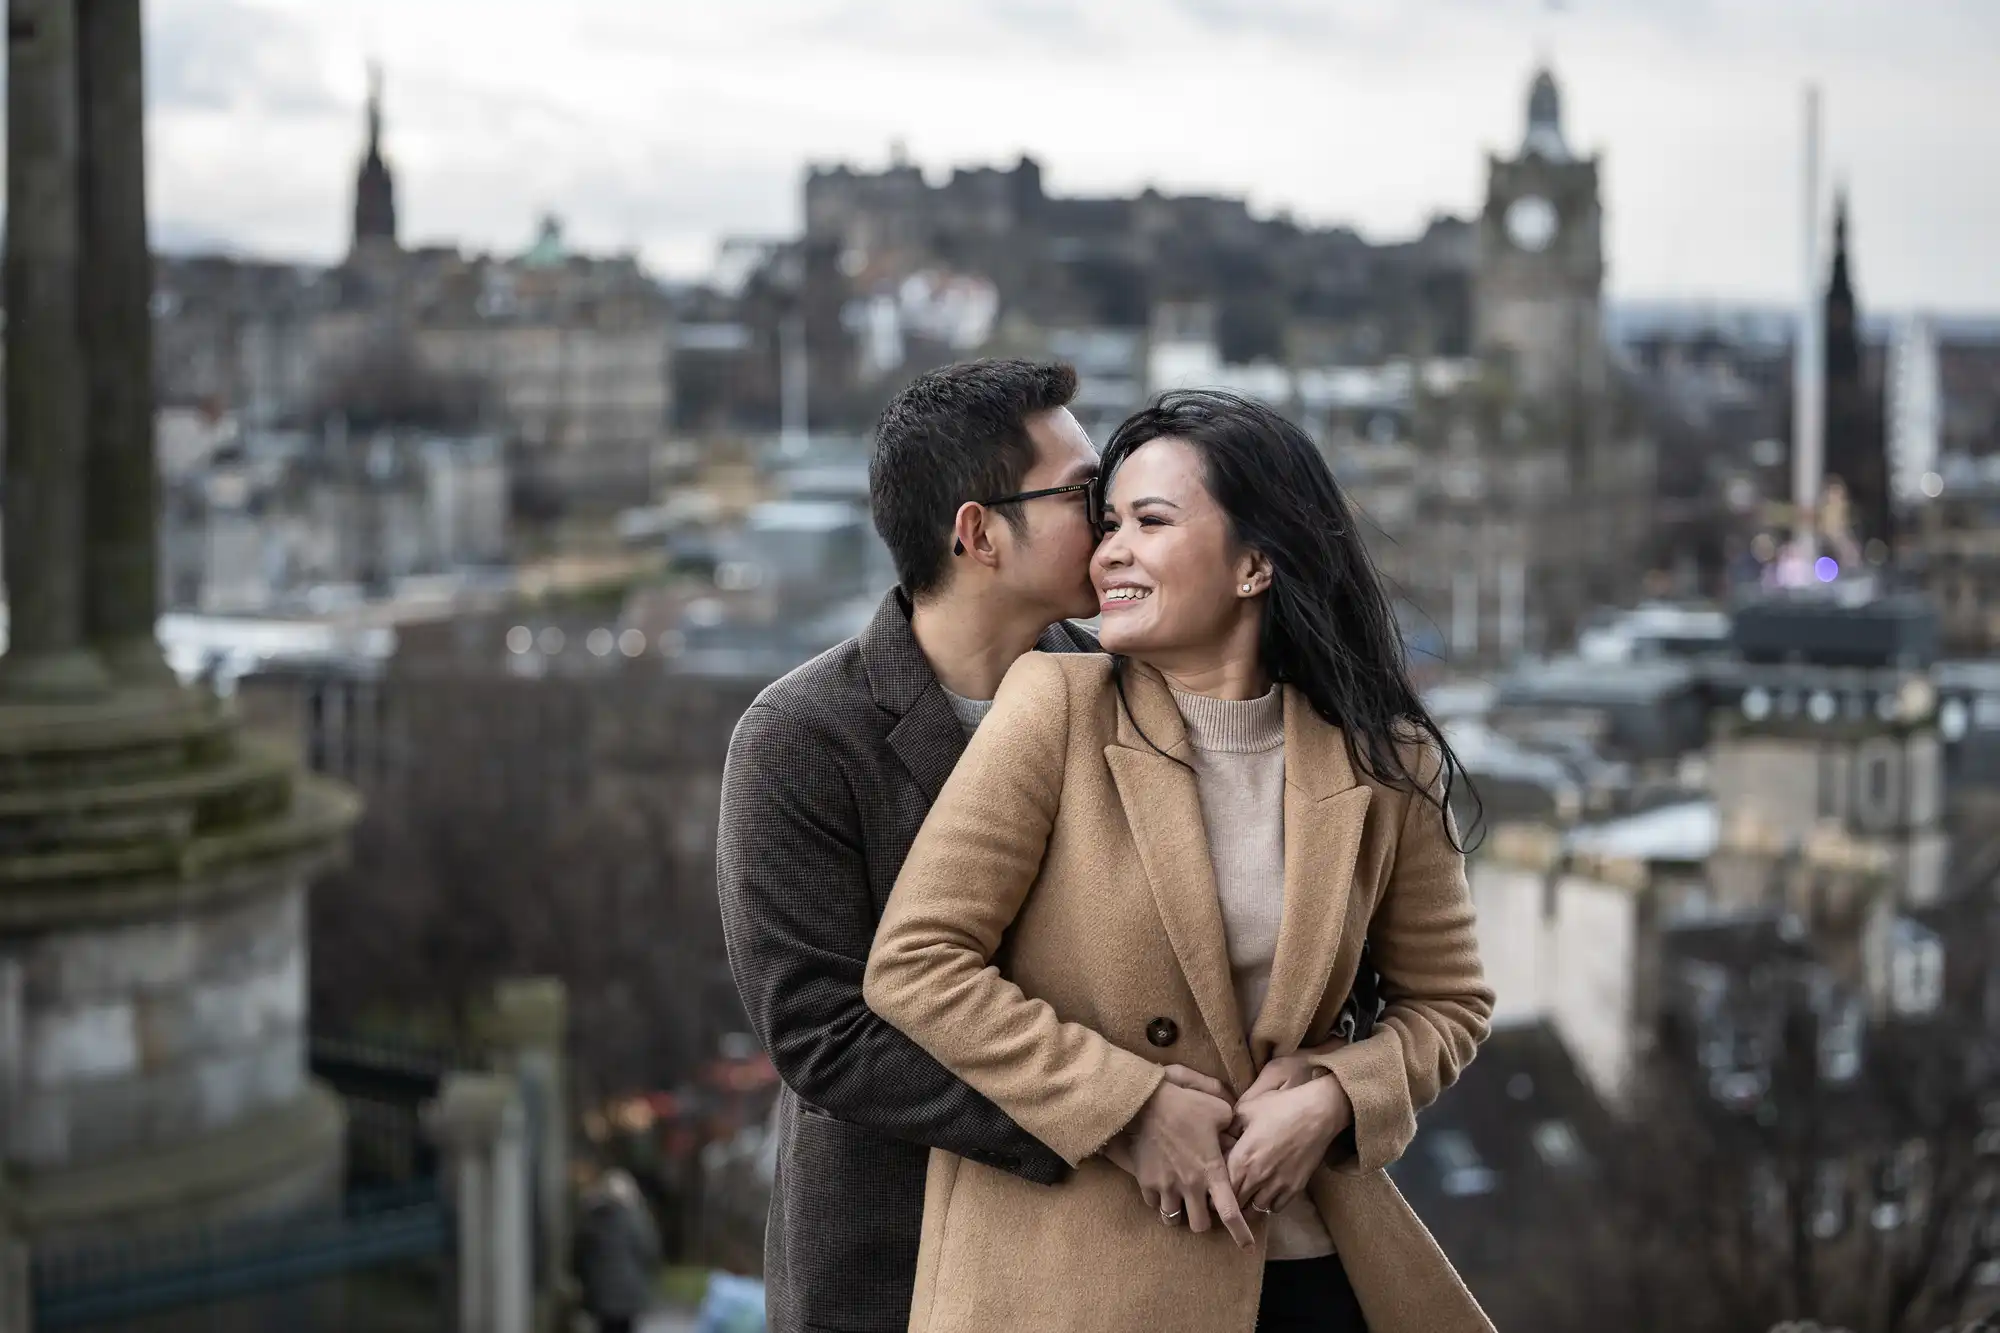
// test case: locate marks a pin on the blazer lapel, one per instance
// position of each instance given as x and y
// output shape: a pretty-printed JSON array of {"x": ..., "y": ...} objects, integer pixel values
[
  {"x": 926, "y": 735},
  {"x": 1163, "y": 807},
  {"x": 929, "y": 741},
  {"x": 1326, "y": 813}
]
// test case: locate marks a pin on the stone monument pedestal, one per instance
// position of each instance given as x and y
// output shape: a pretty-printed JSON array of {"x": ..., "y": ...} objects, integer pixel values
[{"x": 153, "y": 863}]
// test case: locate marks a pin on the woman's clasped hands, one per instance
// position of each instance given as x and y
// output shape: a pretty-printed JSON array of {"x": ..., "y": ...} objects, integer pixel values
[
  {"x": 1203, "y": 1160},
  {"x": 1285, "y": 1123}
]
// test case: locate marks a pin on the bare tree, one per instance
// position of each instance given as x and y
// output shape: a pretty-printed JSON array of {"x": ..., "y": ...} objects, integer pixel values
[
  {"x": 561, "y": 827},
  {"x": 1871, "y": 1205}
]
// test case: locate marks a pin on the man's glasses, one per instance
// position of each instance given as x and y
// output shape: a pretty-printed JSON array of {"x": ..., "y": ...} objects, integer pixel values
[
  {"x": 1071, "y": 489},
  {"x": 1087, "y": 488}
]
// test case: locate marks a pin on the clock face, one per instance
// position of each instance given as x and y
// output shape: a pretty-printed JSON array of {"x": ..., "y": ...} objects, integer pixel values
[{"x": 1531, "y": 222}]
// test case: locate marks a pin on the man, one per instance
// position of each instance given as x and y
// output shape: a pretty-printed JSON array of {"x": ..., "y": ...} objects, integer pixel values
[{"x": 979, "y": 486}]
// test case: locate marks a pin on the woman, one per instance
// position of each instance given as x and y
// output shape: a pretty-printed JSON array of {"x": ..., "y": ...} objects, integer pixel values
[
  {"x": 1138, "y": 905},
  {"x": 616, "y": 1252}
]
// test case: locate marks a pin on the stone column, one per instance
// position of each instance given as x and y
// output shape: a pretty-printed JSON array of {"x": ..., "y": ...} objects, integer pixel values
[
  {"x": 17, "y": 1311},
  {"x": 47, "y": 657},
  {"x": 16, "y": 1308},
  {"x": 17, "y": 1301},
  {"x": 477, "y": 1120},
  {"x": 529, "y": 1030},
  {"x": 121, "y": 593}
]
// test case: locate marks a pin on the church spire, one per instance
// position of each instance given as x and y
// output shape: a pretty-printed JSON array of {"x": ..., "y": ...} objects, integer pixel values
[
  {"x": 1843, "y": 336},
  {"x": 1856, "y": 447},
  {"x": 1545, "y": 136},
  {"x": 1840, "y": 287},
  {"x": 375, "y": 110},
  {"x": 374, "y": 187}
]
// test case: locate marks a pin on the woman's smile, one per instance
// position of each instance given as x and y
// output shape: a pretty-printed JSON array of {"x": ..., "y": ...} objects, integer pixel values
[{"x": 1122, "y": 597}]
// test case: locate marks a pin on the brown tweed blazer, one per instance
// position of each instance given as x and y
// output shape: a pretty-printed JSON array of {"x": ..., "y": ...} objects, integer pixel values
[{"x": 1059, "y": 904}]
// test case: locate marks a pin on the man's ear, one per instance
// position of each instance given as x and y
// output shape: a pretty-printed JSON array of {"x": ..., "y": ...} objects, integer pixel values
[{"x": 970, "y": 537}]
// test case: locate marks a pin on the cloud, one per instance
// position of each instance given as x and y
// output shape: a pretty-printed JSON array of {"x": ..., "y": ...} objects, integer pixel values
[
  {"x": 226, "y": 56},
  {"x": 1281, "y": 18},
  {"x": 660, "y": 201}
]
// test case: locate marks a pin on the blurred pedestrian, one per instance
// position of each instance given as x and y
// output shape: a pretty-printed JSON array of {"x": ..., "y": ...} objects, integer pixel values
[{"x": 616, "y": 1253}]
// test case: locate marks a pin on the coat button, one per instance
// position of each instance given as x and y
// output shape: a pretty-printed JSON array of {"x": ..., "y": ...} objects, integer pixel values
[{"x": 1162, "y": 1032}]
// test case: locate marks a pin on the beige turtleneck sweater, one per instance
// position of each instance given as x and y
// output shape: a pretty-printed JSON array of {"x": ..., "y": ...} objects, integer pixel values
[{"x": 1239, "y": 764}]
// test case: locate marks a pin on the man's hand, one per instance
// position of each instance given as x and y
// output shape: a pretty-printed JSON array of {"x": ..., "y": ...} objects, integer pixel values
[
  {"x": 1118, "y": 1152},
  {"x": 1174, "y": 1148},
  {"x": 1288, "y": 1071},
  {"x": 1282, "y": 1137}
]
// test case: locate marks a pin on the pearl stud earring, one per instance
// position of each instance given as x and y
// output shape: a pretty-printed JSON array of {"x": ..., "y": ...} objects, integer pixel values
[{"x": 1246, "y": 587}]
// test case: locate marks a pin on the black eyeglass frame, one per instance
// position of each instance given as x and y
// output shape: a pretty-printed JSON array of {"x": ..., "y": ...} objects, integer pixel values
[
  {"x": 1094, "y": 514},
  {"x": 1070, "y": 489}
]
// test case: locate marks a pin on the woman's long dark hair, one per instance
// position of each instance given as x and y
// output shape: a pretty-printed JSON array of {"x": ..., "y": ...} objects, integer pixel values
[{"x": 1329, "y": 630}]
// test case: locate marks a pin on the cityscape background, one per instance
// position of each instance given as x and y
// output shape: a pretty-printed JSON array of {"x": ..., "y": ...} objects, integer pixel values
[
  {"x": 511, "y": 382},
  {"x": 663, "y": 127}
]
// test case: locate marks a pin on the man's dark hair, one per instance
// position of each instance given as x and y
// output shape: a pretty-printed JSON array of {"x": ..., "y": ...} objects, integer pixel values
[{"x": 955, "y": 434}]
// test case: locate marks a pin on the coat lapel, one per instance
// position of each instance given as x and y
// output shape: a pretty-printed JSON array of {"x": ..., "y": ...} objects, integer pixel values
[
  {"x": 1163, "y": 807},
  {"x": 927, "y": 737},
  {"x": 1326, "y": 813}
]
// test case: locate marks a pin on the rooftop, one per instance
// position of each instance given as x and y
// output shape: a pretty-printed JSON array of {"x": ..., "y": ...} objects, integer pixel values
[
  {"x": 802, "y": 516},
  {"x": 1686, "y": 831},
  {"x": 1656, "y": 628},
  {"x": 1967, "y": 477},
  {"x": 1577, "y": 680}
]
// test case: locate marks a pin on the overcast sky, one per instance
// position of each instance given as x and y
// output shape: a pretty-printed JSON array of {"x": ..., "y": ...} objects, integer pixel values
[{"x": 666, "y": 124}]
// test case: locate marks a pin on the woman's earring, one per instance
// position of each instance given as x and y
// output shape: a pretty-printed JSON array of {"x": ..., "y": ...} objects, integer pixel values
[
  {"x": 958, "y": 548},
  {"x": 1247, "y": 587}
]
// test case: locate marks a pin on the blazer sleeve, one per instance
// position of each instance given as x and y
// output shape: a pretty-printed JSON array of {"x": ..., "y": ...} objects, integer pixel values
[
  {"x": 1436, "y": 1001},
  {"x": 931, "y": 972},
  {"x": 797, "y": 917}
]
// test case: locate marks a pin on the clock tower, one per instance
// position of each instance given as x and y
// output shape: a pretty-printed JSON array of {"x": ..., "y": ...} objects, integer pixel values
[
  {"x": 1541, "y": 510},
  {"x": 1538, "y": 295}
]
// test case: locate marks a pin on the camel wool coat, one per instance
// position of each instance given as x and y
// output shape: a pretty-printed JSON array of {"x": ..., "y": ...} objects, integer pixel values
[{"x": 1055, "y": 939}]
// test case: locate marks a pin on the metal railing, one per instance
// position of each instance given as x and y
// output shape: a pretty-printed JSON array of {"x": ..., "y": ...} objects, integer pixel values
[
  {"x": 81, "y": 1286},
  {"x": 389, "y": 1238}
]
